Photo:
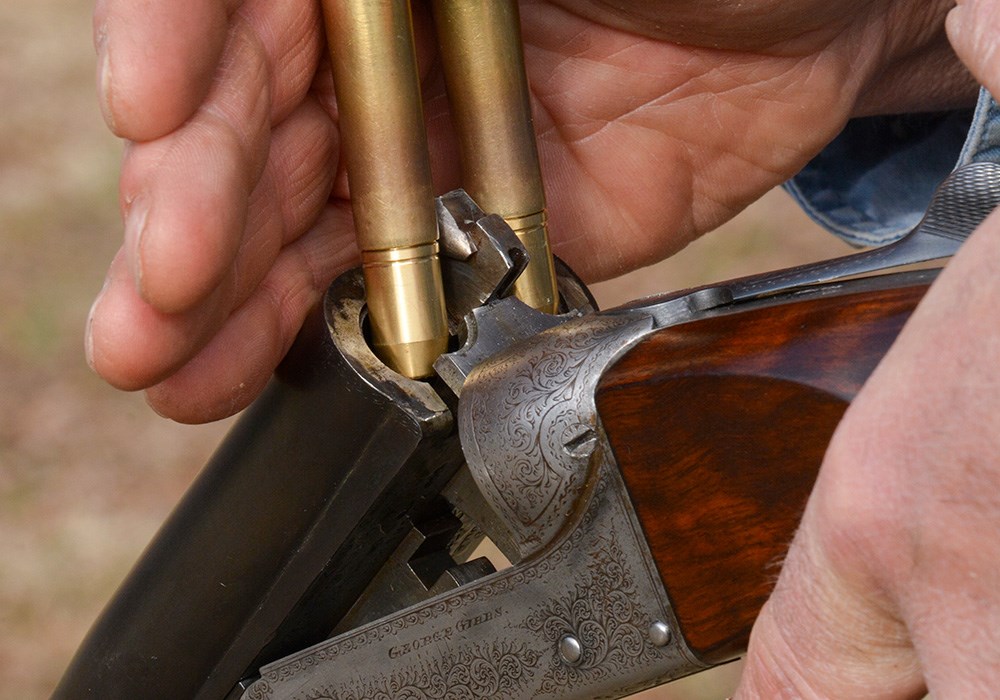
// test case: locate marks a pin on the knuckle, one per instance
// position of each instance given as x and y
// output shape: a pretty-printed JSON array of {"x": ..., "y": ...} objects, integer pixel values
[{"x": 857, "y": 504}]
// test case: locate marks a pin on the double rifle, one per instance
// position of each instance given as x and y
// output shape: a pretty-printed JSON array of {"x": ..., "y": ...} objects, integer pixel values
[{"x": 643, "y": 469}]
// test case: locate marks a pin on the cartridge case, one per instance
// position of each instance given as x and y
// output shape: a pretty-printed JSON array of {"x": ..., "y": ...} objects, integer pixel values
[
  {"x": 483, "y": 63},
  {"x": 388, "y": 168}
]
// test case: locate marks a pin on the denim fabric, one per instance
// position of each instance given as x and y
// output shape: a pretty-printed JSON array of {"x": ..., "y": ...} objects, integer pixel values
[
  {"x": 983, "y": 143},
  {"x": 873, "y": 182}
]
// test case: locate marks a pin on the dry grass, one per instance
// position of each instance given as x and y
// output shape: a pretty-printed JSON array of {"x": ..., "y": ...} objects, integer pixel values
[{"x": 86, "y": 473}]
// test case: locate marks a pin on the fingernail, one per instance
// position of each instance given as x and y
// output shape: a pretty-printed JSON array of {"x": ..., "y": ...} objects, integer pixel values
[
  {"x": 151, "y": 402},
  {"x": 104, "y": 76},
  {"x": 135, "y": 228},
  {"x": 88, "y": 334}
]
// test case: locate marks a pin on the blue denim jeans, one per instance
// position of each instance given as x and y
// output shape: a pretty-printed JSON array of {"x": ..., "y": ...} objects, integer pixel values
[{"x": 874, "y": 181}]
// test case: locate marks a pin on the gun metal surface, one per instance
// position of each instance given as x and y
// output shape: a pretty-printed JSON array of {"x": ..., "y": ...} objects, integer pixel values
[{"x": 552, "y": 498}]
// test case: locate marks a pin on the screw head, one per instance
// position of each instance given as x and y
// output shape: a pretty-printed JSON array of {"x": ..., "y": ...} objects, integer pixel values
[
  {"x": 660, "y": 634},
  {"x": 570, "y": 650}
]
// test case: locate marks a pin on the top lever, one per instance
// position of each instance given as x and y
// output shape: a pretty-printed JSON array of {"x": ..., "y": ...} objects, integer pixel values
[{"x": 959, "y": 205}]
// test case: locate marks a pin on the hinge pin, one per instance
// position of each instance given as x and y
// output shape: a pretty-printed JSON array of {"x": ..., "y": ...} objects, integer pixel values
[
  {"x": 570, "y": 650},
  {"x": 660, "y": 634}
]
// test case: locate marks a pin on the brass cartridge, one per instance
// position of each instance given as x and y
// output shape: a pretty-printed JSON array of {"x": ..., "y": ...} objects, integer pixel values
[
  {"x": 388, "y": 168},
  {"x": 483, "y": 64}
]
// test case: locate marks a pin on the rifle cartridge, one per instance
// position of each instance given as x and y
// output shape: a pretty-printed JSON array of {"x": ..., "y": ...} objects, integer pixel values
[
  {"x": 483, "y": 61},
  {"x": 388, "y": 166}
]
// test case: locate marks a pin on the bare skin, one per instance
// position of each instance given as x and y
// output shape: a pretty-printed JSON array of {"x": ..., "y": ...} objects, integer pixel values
[
  {"x": 237, "y": 219},
  {"x": 891, "y": 586},
  {"x": 235, "y": 222}
]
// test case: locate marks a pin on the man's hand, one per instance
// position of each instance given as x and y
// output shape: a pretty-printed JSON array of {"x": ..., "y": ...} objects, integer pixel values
[
  {"x": 892, "y": 586},
  {"x": 656, "y": 123}
]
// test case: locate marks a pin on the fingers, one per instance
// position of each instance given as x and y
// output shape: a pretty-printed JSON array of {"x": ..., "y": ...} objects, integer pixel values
[
  {"x": 290, "y": 195},
  {"x": 290, "y": 37},
  {"x": 231, "y": 161},
  {"x": 831, "y": 628},
  {"x": 234, "y": 367},
  {"x": 828, "y": 630},
  {"x": 128, "y": 341},
  {"x": 974, "y": 29},
  {"x": 156, "y": 61},
  {"x": 185, "y": 202},
  {"x": 928, "y": 423},
  {"x": 133, "y": 345},
  {"x": 185, "y": 195},
  {"x": 892, "y": 583}
]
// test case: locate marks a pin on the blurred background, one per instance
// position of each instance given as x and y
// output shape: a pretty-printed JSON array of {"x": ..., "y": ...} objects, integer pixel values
[{"x": 88, "y": 473}]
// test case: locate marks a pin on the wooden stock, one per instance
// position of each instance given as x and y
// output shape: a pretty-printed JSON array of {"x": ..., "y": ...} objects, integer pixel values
[{"x": 719, "y": 427}]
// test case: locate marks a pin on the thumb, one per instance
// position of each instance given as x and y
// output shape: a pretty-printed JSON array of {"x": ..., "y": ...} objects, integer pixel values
[
  {"x": 974, "y": 30},
  {"x": 827, "y": 631}
]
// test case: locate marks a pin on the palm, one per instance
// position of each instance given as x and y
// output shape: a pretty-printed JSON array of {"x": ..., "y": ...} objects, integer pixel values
[
  {"x": 648, "y": 143},
  {"x": 645, "y": 142}
]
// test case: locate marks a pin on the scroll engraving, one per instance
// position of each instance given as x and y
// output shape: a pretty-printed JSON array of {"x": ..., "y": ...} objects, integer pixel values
[
  {"x": 592, "y": 576},
  {"x": 493, "y": 671},
  {"x": 601, "y": 612},
  {"x": 526, "y": 418}
]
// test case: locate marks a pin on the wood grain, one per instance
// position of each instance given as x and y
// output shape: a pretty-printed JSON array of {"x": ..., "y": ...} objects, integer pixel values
[{"x": 720, "y": 426}]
